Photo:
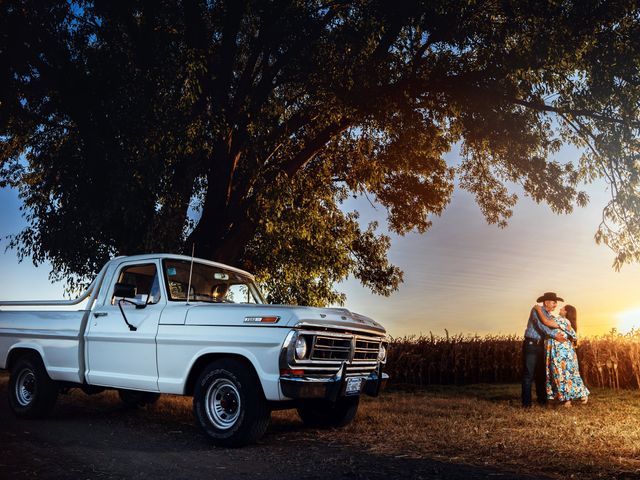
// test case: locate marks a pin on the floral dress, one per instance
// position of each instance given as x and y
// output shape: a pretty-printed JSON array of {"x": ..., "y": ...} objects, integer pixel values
[{"x": 563, "y": 374}]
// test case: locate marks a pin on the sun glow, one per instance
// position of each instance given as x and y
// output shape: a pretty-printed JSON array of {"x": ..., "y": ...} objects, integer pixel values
[{"x": 628, "y": 320}]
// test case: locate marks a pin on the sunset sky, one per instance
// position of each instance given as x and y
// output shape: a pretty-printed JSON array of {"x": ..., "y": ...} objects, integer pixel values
[
  {"x": 470, "y": 277},
  {"x": 462, "y": 275}
]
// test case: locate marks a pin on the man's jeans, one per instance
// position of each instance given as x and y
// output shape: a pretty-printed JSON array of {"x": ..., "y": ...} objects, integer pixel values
[{"x": 533, "y": 370}]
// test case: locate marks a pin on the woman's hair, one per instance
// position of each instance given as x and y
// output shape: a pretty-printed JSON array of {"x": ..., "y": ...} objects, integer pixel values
[{"x": 572, "y": 316}]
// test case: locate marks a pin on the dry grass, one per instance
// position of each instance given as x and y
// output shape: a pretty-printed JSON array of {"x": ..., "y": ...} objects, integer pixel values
[
  {"x": 484, "y": 425},
  {"x": 607, "y": 361}
]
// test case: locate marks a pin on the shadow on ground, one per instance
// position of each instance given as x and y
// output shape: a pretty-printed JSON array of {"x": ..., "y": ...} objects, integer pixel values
[{"x": 110, "y": 442}]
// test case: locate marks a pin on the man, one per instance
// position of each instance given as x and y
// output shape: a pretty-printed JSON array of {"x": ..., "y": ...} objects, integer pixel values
[{"x": 533, "y": 354}]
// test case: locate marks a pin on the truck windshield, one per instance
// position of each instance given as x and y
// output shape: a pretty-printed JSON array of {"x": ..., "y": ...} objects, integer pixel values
[{"x": 208, "y": 284}]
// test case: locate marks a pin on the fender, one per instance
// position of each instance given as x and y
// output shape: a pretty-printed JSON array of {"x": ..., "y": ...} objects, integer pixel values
[
  {"x": 268, "y": 381},
  {"x": 27, "y": 346}
]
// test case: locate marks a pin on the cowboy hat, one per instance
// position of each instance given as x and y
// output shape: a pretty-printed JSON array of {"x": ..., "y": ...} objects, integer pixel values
[{"x": 550, "y": 296}]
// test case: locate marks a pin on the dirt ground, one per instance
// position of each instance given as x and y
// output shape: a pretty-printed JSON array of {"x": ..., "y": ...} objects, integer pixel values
[{"x": 101, "y": 439}]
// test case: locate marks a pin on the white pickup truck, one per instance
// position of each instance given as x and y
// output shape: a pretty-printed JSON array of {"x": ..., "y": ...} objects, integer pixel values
[{"x": 161, "y": 323}]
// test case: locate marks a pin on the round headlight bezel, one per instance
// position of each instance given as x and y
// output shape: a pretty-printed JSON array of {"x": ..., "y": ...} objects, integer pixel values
[
  {"x": 300, "y": 348},
  {"x": 382, "y": 353}
]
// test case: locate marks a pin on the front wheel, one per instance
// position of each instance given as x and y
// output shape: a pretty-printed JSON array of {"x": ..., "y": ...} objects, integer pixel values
[
  {"x": 229, "y": 405},
  {"x": 32, "y": 394},
  {"x": 325, "y": 414}
]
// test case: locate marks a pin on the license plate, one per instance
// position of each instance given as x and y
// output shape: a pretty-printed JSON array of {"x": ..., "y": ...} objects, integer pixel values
[{"x": 354, "y": 385}]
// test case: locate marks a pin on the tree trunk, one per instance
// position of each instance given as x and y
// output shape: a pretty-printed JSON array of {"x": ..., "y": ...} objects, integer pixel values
[{"x": 225, "y": 227}]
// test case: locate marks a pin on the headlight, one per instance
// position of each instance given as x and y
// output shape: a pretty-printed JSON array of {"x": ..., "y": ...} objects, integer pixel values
[
  {"x": 301, "y": 348},
  {"x": 382, "y": 353}
]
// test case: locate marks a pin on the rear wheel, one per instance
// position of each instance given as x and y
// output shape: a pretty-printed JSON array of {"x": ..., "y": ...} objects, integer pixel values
[
  {"x": 32, "y": 394},
  {"x": 325, "y": 414},
  {"x": 135, "y": 399},
  {"x": 229, "y": 405}
]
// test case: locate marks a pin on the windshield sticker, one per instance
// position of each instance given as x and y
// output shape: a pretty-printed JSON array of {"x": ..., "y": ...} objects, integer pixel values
[{"x": 171, "y": 271}]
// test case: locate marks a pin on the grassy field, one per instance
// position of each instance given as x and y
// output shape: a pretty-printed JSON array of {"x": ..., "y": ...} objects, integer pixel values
[
  {"x": 485, "y": 425},
  {"x": 477, "y": 425}
]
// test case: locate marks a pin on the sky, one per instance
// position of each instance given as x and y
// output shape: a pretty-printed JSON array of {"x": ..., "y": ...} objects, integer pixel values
[
  {"x": 462, "y": 275},
  {"x": 469, "y": 277}
]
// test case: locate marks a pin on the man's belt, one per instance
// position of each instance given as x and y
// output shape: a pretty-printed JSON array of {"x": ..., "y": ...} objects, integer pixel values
[{"x": 533, "y": 341}]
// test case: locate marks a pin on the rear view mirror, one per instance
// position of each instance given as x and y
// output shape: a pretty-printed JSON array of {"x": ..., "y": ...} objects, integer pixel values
[{"x": 124, "y": 290}]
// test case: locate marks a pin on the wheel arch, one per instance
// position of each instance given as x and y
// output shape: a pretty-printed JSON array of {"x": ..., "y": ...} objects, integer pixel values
[
  {"x": 20, "y": 350},
  {"x": 205, "y": 359}
]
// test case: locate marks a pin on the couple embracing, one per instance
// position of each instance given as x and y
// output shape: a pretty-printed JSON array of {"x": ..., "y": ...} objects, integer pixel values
[{"x": 549, "y": 356}]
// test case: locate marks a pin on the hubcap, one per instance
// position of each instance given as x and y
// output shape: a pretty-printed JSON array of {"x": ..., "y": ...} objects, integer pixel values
[
  {"x": 222, "y": 403},
  {"x": 25, "y": 387}
]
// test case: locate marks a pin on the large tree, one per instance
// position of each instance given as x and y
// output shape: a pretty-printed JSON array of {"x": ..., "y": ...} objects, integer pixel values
[{"x": 241, "y": 127}]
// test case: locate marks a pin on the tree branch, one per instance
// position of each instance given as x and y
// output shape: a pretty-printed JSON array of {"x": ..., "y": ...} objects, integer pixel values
[
  {"x": 576, "y": 112},
  {"x": 312, "y": 147}
]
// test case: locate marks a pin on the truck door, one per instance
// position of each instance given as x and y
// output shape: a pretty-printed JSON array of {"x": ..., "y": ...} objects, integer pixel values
[{"x": 116, "y": 355}]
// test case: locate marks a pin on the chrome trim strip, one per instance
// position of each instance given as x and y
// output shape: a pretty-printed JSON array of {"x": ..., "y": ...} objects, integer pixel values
[
  {"x": 57, "y": 334},
  {"x": 325, "y": 333},
  {"x": 286, "y": 351},
  {"x": 330, "y": 363},
  {"x": 226, "y": 325},
  {"x": 334, "y": 366},
  {"x": 327, "y": 378},
  {"x": 123, "y": 337},
  {"x": 329, "y": 328}
]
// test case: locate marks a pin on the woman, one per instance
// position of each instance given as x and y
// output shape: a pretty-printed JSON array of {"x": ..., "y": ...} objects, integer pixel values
[{"x": 563, "y": 374}]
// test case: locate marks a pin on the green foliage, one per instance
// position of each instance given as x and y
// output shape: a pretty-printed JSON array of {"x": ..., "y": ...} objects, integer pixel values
[{"x": 119, "y": 120}]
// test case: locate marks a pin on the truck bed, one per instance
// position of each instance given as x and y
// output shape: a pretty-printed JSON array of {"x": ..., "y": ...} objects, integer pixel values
[{"x": 53, "y": 333}]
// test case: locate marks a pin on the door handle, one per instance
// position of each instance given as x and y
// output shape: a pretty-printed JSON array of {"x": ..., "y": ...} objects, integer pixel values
[{"x": 100, "y": 314}]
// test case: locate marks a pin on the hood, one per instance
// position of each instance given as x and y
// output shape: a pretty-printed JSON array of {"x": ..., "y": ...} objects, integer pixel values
[
  {"x": 337, "y": 318},
  {"x": 290, "y": 316}
]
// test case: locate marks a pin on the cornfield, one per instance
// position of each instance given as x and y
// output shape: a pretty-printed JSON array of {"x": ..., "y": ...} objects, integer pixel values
[{"x": 612, "y": 360}]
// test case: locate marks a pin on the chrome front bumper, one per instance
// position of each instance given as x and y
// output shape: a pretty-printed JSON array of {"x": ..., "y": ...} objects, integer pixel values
[{"x": 333, "y": 387}]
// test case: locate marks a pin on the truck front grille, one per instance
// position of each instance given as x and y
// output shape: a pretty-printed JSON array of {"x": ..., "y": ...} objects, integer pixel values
[
  {"x": 366, "y": 349},
  {"x": 328, "y": 351},
  {"x": 330, "y": 348}
]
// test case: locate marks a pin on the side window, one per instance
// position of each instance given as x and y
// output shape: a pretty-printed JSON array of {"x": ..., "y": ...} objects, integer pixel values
[
  {"x": 144, "y": 279},
  {"x": 239, "y": 294}
]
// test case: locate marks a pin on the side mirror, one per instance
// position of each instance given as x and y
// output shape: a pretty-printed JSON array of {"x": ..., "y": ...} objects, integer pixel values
[{"x": 124, "y": 290}]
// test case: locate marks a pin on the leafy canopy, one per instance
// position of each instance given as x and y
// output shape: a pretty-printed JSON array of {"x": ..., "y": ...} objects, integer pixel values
[{"x": 119, "y": 120}]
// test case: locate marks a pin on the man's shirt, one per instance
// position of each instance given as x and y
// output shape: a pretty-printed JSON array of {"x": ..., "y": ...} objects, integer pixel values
[{"x": 536, "y": 330}]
